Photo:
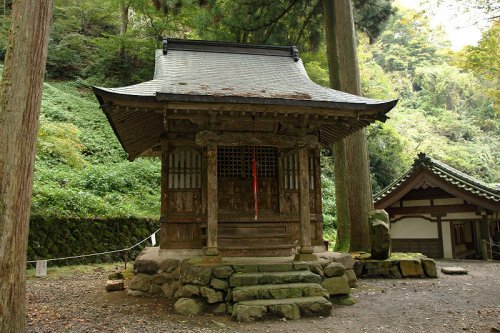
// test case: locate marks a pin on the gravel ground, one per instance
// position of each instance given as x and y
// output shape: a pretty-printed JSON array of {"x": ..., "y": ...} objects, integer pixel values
[{"x": 75, "y": 301}]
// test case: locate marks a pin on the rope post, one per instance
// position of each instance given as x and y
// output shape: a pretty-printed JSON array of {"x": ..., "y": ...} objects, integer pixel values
[
  {"x": 126, "y": 258},
  {"x": 484, "y": 249}
]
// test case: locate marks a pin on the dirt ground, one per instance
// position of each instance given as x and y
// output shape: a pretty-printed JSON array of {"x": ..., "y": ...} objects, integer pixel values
[{"x": 74, "y": 300}]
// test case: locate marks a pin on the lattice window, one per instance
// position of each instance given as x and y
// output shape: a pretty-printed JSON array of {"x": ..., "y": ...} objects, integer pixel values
[
  {"x": 237, "y": 162},
  {"x": 184, "y": 169},
  {"x": 291, "y": 169}
]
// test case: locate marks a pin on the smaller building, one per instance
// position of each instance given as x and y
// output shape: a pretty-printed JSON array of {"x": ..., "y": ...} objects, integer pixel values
[{"x": 441, "y": 212}]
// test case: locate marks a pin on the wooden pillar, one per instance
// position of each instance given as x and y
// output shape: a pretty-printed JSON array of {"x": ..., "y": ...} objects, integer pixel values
[
  {"x": 306, "y": 250},
  {"x": 164, "y": 193},
  {"x": 317, "y": 191},
  {"x": 212, "y": 201},
  {"x": 485, "y": 234}
]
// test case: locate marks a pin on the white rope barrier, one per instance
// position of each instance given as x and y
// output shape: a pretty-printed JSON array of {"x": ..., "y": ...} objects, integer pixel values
[{"x": 97, "y": 254}]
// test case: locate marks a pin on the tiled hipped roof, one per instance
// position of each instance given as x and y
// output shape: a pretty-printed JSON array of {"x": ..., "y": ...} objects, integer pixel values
[
  {"x": 239, "y": 73},
  {"x": 448, "y": 174}
]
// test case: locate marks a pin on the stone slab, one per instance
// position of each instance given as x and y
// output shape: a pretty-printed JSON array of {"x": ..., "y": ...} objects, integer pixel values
[
  {"x": 289, "y": 290},
  {"x": 250, "y": 279},
  {"x": 454, "y": 270}
]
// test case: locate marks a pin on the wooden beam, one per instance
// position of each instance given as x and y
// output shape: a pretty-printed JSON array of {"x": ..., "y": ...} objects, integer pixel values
[
  {"x": 441, "y": 209},
  {"x": 304, "y": 198},
  {"x": 212, "y": 201},
  {"x": 205, "y": 138}
]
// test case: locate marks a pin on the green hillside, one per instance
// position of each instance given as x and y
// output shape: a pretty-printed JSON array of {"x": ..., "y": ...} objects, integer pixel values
[{"x": 448, "y": 104}]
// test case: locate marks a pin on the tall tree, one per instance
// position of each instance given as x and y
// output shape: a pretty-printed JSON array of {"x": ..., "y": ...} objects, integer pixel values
[
  {"x": 20, "y": 101},
  {"x": 354, "y": 176}
]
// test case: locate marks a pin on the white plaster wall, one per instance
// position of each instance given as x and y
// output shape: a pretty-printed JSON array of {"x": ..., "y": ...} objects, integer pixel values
[
  {"x": 447, "y": 250},
  {"x": 416, "y": 203},
  {"x": 414, "y": 228},
  {"x": 449, "y": 201}
]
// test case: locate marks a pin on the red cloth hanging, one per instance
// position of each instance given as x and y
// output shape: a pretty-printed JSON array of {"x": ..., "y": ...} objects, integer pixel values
[{"x": 255, "y": 191}]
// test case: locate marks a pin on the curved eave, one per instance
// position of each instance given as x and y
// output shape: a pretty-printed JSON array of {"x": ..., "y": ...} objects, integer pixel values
[{"x": 383, "y": 106}]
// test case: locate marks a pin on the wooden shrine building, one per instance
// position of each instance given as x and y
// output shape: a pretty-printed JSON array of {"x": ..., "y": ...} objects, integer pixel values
[
  {"x": 239, "y": 129},
  {"x": 441, "y": 212}
]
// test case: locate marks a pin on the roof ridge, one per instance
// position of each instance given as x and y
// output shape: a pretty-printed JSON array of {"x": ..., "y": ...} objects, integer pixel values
[{"x": 424, "y": 161}]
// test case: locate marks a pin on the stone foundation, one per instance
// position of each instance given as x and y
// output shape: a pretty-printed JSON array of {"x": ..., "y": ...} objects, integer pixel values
[
  {"x": 253, "y": 288},
  {"x": 421, "y": 267}
]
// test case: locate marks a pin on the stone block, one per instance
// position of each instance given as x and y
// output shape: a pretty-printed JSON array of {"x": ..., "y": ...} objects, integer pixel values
[
  {"x": 170, "y": 289},
  {"x": 223, "y": 272},
  {"x": 244, "y": 279},
  {"x": 146, "y": 266},
  {"x": 211, "y": 295},
  {"x": 380, "y": 240},
  {"x": 343, "y": 300},
  {"x": 288, "y": 311},
  {"x": 188, "y": 290},
  {"x": 337, "y": 285},
  {"x": 316, "y": 268},
  {"x": 161, "y": 278},
  {"x": 188, "y": 306},
  {"x": 116, "y": 276},
  {"x": 141, "y": 282},
  {"x": 137, "y": 293},
  {"x": 376, "y": 268},
  {"x": 246, "y": 268},
  {"x": 219, "y": 309},
  {"x": 334, "y": 269},
  {"x": 243, "y": 312},
  {"x": 351, "y": 278},
  {"x": 196, "y": 274},
  {"x": 453, "y": 270},
  {"x": 379, "y": 214},
  {"x": 281, "y": 267},
  {"x": 219, "y": 284},
  {"x": 156, "y": 290},
  {"x": 319, "y": 306},
  {"x": 114, "y": 285},
  {"x": 344, "y": 258},
  {"x": 300, "y": 266},
  {"x": 169, "y": 265},
  {"x": 358, "y": 267},
  {"x": 411, "y": 268},
  {"x": 429, "y": 266}
]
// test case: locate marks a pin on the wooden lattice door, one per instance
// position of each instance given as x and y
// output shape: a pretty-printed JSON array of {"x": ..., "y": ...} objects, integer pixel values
[{"x": 235, "y": 179}]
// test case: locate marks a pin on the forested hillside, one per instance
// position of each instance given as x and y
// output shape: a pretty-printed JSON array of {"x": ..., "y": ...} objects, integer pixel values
[{"x": 448, "y": 100}]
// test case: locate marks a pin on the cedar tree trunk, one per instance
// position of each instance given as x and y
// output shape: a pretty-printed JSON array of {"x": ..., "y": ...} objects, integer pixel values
[
  {"x": 20, "y": 100},
  {"x": 355, "y": 181}
]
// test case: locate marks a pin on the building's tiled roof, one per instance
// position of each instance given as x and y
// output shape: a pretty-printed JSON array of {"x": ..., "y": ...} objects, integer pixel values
[
  {"x": 241, "y": 74},
  {"x": 448, "y": 174}
]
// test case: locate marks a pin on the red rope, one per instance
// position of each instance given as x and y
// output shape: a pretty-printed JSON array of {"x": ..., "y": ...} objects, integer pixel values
[{"x": 254, "y": 172}]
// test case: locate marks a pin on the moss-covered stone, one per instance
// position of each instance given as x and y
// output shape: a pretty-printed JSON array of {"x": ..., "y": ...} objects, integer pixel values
[
  {"x": 223, "y": 272},
  {"x": 188, "y": 306},
  {"x": 343, "y": 300},
  {"x": 337, "y": 285},
  {"x": 141, "y": 282},
  {"x": 288, "y": 311},
  {"x": 246, "y": 268},
  {"x": 429, "y": 266},
  {"x": 219, "y": 284},
  {"x": 188, "y": 290},
  {"x": 169, "y": 265},
  {"x": 196, "y": 274},
  {"x": 334, "y": 269},
  {"x": 351, "y": 278},
  {"x": 411, "y": 268},
  {"x": 146, "y": 266},
  {"x": 211, "y": 295},
  {"x": 243, "y": 312}
]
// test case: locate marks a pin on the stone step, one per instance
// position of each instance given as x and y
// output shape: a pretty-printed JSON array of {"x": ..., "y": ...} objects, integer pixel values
[
  {"x": 252, "y": 279},
  {"x": 290, "y": 308},
  {"x": 278, "y": 291}
]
